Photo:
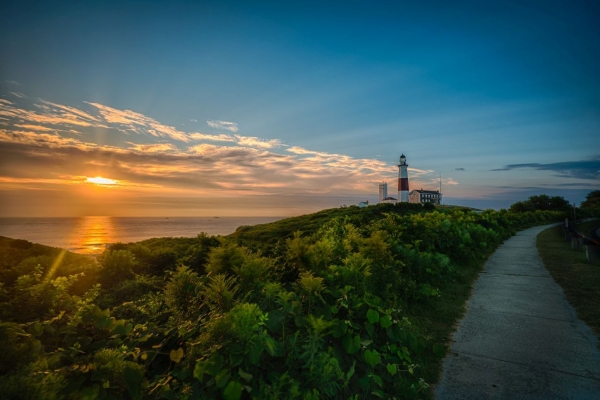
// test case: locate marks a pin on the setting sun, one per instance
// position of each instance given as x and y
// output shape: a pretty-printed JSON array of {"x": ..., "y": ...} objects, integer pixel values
[{"x": 101, "y": 181}]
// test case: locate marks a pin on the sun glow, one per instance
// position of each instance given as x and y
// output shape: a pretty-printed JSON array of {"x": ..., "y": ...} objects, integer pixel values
[{"x": 101, "y": 181}]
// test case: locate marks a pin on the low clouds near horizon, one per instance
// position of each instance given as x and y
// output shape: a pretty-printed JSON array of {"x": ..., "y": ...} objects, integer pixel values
[
  {"x": 579, "y": 169},
  {"x": 50, "y": 146}
]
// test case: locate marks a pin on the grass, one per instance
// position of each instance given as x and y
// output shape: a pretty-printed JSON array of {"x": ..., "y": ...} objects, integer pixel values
[
  {"x": 439, "y": 316},
  {"x": 579, "y": 280}
]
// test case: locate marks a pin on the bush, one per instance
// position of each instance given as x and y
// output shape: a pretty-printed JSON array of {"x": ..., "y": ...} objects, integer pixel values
[
  {"x": 181, "y": 292},
  {"x": 116, "y": 266}
]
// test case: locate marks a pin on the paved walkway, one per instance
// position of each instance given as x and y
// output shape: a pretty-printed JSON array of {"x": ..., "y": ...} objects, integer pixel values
[{"x": 520, "y": 338}]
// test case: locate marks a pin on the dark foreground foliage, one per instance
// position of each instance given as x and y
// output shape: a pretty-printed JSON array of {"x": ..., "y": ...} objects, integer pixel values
[{"x": 318, "y": 307}]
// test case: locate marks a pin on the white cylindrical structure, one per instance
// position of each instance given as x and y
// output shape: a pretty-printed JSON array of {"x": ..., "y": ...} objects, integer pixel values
[
  {"x": 403, "y": 180},
  {"x": 383, "y": 191}
]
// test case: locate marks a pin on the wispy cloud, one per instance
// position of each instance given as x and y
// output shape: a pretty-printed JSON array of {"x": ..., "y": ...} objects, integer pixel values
[
  {"x": 581, "y": 169},
  {"x": 459, "y": 169},
  {"x": 213, "y": 138},
  {"x": 48, "y": 140},
  {"x": 53, "y": 108},
  {"x": 226, "y": 125},
  {"x": 54, "y": 140},
  {"x": 139, "y": 123},
  {"x": 34, "y": 127},
  {"x": 153, "y": 148},
  {"x": 258, "y": 142},
  {"x": 49, "y": 114}
]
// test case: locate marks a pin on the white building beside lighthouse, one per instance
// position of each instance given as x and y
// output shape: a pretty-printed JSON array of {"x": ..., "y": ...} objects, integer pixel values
[
  {"x": 383, "y": 194},
  {"x": 382, "y": 191}
]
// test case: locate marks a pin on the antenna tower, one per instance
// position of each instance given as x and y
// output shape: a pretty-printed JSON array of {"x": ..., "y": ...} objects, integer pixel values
[{"x": 440, "y": 186}]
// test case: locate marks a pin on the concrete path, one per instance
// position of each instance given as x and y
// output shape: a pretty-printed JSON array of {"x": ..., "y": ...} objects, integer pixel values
[{"x": 520, "y": 339}]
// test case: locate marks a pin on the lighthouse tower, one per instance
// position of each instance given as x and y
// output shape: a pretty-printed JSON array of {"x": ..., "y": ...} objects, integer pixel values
[{"x": 403, "y": 180}]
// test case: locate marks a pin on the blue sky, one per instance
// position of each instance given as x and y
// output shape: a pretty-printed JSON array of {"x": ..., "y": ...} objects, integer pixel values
[{"x": 280, "y": 108}]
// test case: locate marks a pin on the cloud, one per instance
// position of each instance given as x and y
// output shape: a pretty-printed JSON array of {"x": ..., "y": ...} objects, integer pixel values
[
  {"x": 459, "y": 169},
  {"x": 193, "y": 120},
  {"x": 46, "y": 140},
  {"x": 214, "y": 138},
  {"x": 212, "y": 151},
  {"x": 202, "y": 167},
  {"x": 153, "y": 148},
  {"x": 51, "y": 114},
  {"x": 577, "y": 185},
  {"x": 33, "y": 147},
  {"x": 249, "y": 141},
  {"x": 302, "y": 151},
  {"x": 52, "y": 108},
  {"x": 258, "y": 142},
  {"x": 582, "y": 169},
  {"x": 34, "y": 127},
  {"x": 135, "y": 122},
  {"x": 229, "y": 126}
]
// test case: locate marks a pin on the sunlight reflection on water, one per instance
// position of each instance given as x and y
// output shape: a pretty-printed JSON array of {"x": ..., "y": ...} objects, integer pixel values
[{"x": 92, "y": 234}]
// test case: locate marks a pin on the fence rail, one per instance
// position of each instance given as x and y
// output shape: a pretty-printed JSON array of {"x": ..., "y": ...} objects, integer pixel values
[{"x": 579, "y": 241}]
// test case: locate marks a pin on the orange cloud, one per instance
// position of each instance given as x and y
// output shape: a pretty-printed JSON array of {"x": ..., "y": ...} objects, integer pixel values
[{"x": 246, "y": 163}]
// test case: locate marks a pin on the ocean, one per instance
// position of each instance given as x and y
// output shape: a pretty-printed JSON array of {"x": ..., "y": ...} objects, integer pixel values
[{"x": 90, "y": 235}]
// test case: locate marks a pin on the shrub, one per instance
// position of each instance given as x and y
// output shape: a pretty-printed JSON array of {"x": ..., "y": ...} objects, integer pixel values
[
  {"x": 225, "y": 258},
  {"x": 116, "y": 266},
  {"x": 181, "y": 292}
]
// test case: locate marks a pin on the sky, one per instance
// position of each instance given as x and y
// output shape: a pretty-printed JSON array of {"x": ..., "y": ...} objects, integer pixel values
[{"x": 223, "y": 108}]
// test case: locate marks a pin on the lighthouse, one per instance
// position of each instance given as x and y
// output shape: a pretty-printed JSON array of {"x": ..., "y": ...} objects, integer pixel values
[{"x": 403, "y": 180}]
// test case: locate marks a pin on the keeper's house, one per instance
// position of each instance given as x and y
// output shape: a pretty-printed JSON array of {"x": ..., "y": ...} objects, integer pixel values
[{"x": 425, "y": 196}]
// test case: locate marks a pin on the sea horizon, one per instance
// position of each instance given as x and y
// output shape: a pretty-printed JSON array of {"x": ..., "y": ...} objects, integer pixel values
[{"x": 91, "y": 234}]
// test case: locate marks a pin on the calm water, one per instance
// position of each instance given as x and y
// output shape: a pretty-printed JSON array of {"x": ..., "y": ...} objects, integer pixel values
[{"x": 89, "y": 235}]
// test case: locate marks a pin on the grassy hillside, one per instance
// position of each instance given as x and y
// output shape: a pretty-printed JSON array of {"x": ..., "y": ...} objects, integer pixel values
[
  {"x": 360, "y": 305},
  {"x": 265, "y": 236}
]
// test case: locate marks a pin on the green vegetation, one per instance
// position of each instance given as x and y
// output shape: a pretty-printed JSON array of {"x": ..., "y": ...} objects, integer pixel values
[
  {"x": 592, "y": 201},
  {"x": 588, "y": 208},
  {"x": 569, "y": 268},
  {"x": 347, "y": 303},
  {"x": 264, "y": 237},
  {"x": 541, "y": 202}
]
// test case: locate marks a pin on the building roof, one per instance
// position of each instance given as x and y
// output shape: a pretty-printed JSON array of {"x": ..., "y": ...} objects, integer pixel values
[{"x": 426, "y": 191}]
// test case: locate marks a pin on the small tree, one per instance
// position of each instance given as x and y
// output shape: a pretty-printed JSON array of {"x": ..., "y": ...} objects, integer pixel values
[
  {"x": 592, "y": 200},
  {"x": 541, "y": 202}
]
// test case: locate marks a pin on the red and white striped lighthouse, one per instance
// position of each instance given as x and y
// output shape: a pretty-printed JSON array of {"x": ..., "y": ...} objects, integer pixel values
[{"x": 403, "y": 180}]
